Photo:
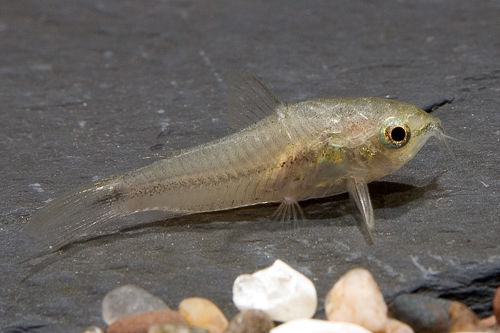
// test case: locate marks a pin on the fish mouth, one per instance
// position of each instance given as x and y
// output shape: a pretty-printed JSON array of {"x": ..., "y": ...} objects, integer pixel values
[{"x": 437, "y": 131}]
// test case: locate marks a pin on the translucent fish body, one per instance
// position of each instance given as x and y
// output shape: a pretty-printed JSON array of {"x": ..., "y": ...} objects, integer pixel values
[{"x": 281, "y": 153}]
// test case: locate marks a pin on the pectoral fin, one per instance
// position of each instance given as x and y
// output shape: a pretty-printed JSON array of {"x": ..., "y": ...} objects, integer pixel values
[{"x": 358, "y": 192}]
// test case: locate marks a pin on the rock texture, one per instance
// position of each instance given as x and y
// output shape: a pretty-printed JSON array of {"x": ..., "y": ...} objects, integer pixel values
[{"x": 94, "y": 87}]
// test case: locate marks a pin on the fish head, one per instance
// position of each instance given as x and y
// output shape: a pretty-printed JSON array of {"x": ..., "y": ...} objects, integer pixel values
[{"x": 399, "y": 131}]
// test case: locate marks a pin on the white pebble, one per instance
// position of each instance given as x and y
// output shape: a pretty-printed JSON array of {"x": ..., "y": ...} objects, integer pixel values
[
  {"x": 318, "y": 326},
  {"x": 93, "y": 329},
  {"x": 279, "y": 290},
  {"x": 129, "y": 300},
  {"x": 356, "y": 298}
]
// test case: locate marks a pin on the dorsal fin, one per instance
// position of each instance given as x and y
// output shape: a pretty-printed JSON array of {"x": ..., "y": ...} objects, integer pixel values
[{"x": 248, "y": 99}]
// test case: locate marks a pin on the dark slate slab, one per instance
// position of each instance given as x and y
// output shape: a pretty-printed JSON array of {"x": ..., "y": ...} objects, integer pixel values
[{"x": 93, "y": 87}]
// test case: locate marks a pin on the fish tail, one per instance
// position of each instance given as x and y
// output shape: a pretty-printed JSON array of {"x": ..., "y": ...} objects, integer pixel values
[{"x": 76, "y": 214}]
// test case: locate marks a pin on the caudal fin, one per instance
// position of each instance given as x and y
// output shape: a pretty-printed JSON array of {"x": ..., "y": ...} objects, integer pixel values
[{"x": 76, "y": 214}]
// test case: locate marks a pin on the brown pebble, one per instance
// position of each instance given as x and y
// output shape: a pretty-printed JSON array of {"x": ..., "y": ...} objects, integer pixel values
[
  {"x": 250, "y": 321},
  {"x": 463, "y": 319},
  {"x": 176, "y": 328},
  {"x": 496, "y": 305},
  {"x": 141, "y": 322}
]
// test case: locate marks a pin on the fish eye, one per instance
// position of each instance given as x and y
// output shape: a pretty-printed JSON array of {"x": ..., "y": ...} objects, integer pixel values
[{"x": 394, "y": 134}]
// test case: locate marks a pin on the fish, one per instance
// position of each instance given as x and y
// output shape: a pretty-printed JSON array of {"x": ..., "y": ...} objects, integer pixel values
[{"x": 279, "y": 152}]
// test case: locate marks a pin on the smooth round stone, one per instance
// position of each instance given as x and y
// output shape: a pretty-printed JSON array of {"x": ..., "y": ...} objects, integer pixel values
[
  {"x": 356, "y": 298},
  {"x": 250, "y": 321},
  {"x": 279, "y": 290},
  {"x": 93, "y": 329},
  {"x": 176, "y": 328},
  {"x": 318, "y": 326},
  {"x": 422, "y": 313},
  {"x": 140, "y": 323},
  {"x": 463, "y": 319},
  {"x": 204, "y": 313},
  {"x": 396, "y": 326},
  {"x": 496, "y": 305},
  {"x": 490, "y": 321},
  {"x": 129, "y": 300}
]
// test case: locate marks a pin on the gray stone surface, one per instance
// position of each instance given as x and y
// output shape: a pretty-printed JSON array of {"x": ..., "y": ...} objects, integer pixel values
[{"x": 82, "y": 86}]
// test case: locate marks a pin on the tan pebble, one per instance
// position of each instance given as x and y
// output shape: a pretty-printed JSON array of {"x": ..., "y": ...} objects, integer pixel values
[
  {"x": 396, "y": 326},
  {"x": 356, "y": 298},
  {"x": 176, "y": 328},
  {"x": 250, "y": 321},
  {"x": 488, "y": 321},
  {"x": 141, "y": 322},
  {"x": 204, "y": 313},
  {"x": 463, "y": 319},
  {"x": 496, "y": 305},
  {"x": 93, "y": 329}
]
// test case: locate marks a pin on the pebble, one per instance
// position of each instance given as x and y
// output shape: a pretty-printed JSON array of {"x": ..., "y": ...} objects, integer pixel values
[
  {"x": 490, "y": 321},
  {"x": 204, "y": 313},
  {"x": 176, "y": 328},
  {"x": 396, "y": 326},
  {"x": 279, "y": 290},
  {"x": 318, "y": 326},
  {"x": 356, "y": 298},
  {"x": 496, "y": 305},
  {"x": 463, "y": 319},
  {"x": 129, "y": 300},
  {"x": 422, "y": 313},
  {"x": 93, "y": 329},
  {"x": 141, "y": 322},
  {"x": 250, "y": 321}
]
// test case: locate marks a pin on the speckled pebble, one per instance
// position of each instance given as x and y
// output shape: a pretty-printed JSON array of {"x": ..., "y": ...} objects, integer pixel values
[
  {"x": 356, "y": 298},
  {"x": 279, "y": 290},
  {"x": 250, "y": 321},
  {"x": 421, "y": 313},
  {"x": 176, "y": 328},
  {"x": 140, "y": 323},
  {"x": 463, "y": 319},
  {"x": 496, "y": 305},
  {"x": 93, "y": 329},
  {"x": 318, "y": 326},
  {"x": 127, "y": 301},
  {"x": 204, "y": 313},
  {"x": 396, "y": 326}
]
